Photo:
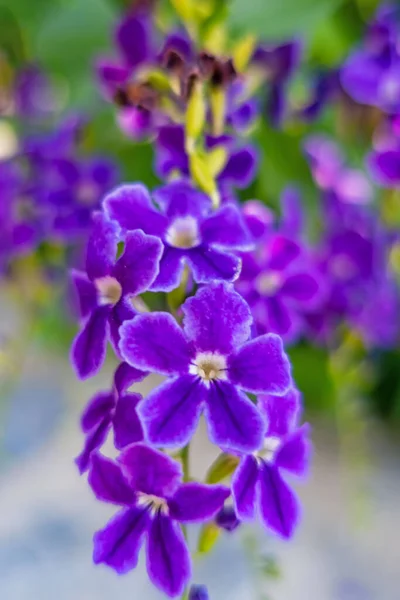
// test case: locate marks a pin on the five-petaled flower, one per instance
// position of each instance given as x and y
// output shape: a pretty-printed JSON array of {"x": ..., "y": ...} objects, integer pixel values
[
  {"x": 258, "y": 481},
  {"x": 106, "y": 291},
  {"x": 209, "y": 363},
  {"x": 279, "y": 285},
  {"x": 147, "y": 485},
  {"x": 190, "y": 232}
]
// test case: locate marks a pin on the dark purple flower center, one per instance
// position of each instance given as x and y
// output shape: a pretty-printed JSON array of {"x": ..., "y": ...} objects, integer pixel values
[{"x": 183, "y": 233}]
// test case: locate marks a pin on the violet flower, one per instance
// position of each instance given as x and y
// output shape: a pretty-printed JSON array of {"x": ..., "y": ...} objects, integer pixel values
[
  {"x": 191, "y": 232},
  {"x": 371, "y": 74},
  {"x": 198, "y": 592},
  {"x": 278, "y": 63},
  {"x": 147, "y": 485},
  {"x": 208, "y": 364},
  {"x": 330, "y": 172},
  {"x": 113, "y": 409},
  {"x": 106, "y": 289},
  {"x": 279, "y": 284},
  {"x": 74, "y": 188},
  {"x": 259, "y": 483}
]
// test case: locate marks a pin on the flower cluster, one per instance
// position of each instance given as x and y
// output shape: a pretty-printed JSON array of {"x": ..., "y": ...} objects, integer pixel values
[
  {"x": 49, "y": 190},
  {"x": 235, "y": 283},
  {"x": 189, "y": 283}
]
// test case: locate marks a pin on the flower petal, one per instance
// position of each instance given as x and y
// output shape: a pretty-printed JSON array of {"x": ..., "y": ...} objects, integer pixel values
[
  {"x": 130, "y": 206},
  {"x": 197, "y": 502},
  {"x": 139, "y": 264},
  {"x": 208, "y": 264},
  {"x": 168, "y": 559},
  {"x": 295, "y": 453},
  {"x": 179, "y": 198},
  {"x": 261, "y": 365},
  {"x": 94, "y": 440},
  {"x": 102, "y": 247},
  {"x": 226, "y": 228},
  {"x": 108, "y": 482},
  {"x": 150, "y": 471},
  {"x": 280, "y": 319},
  {"x": 133, "y": 37},
  {"x": 234, "y": 422},
  {"x": 244, "y": 487},
  {"x": 171, "y": 412},
  {"x": 282, "y": 252},
  {"x": 385, "y": 167},
  {"x": 89, "y": 348},
  {"x": 241, "y": 167},
  {"x": 217, "y": 319},
  {"x": 127, "y": 426},
  {"x": 86, "y": 293},
  {"x": 279, "y": 507},
  {"x": 171, "y": 269},
  {"x": 99, "y": 406},
  {"x": 125, "y": 376},
  {"x": 198, "y": 592},
  {"x": 282, "y": 412},
  {"x": 119, "y": 313},
  {"x": 118, "y": 544},
  {"x": 155, "y": 342},
  {"x": 301, "y": 287}
]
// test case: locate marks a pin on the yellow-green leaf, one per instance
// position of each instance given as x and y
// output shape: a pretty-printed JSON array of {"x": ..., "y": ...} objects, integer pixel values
[
  {"x": 222, "y": 467},
  {"x": 208, "y": 537}
]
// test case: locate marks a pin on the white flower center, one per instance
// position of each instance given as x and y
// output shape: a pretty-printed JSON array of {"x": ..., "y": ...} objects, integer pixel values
[
  {"x": 154, "y": 503},
  {"x": 87, "y": 193},
  {"x": 270, "y": 448},
  {"x": 267, "y": 284},
  {"x": 183, "y": 233},
  {"x": 109, "y": 290},
  {"x": 209, "y": 366},
  {"x": 342, "y": 267}
]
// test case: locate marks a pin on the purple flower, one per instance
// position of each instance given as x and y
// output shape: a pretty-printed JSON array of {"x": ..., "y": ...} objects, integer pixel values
[
  {"x": 371, "y": 74},
  {"x": 208, "y": 364},
  {"x": 34, "y": 97},
  {"x": 384, "y": 166},
  {"x": 191, "y": 232},
  {"x": 227, "y": 519},
  {"x": 106, "y": 289},
  {"x": 74, "y": 189},
  {"x": 279, "y": 63},
  {"x": 325, "y": 89},
  {"x": 279, "y": 285},
  {"x": 239, "y": 170},
  {"x": 113, "y": 409},
  {"x": 258, "y": 482},
  {"x": 147, "y": 485},
  {"x": 330, "y": 173},
  {"x": 198, "y": 592}
]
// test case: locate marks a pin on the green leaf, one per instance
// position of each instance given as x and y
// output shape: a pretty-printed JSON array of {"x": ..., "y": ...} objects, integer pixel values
[
  {"x": 222, "y": 467},
  {"x": 208, "y": 537},
  {"x": 278, "y": 19}
]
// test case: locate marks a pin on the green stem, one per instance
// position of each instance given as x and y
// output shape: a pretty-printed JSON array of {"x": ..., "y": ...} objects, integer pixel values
[{"x": 186, "y": 475}]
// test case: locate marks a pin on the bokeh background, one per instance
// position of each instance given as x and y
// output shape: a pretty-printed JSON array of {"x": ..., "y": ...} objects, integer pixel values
[{"x": 347, "y": 547}]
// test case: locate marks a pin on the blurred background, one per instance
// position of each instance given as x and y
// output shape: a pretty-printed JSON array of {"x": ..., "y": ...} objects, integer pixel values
[{"x": 347, "y": 547}]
